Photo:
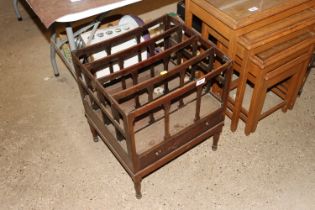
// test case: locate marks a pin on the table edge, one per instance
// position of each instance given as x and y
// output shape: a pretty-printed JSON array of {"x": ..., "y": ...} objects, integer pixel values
[
  {"x": 94, "y": 11},
  {"x": 232, "y": 23}
]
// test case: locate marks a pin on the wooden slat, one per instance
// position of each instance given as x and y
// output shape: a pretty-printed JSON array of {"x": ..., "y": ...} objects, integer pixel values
[
  {"x": 271, "y": 110},
  {"x": 156, "y": 80},
  {"x": 174, "y": 94},
  {"x": 102, "y": 107},
  {"x": 99, "y": 87},
  {"x": 101, "y": 63},
  {"x": 149, "y": 61}
]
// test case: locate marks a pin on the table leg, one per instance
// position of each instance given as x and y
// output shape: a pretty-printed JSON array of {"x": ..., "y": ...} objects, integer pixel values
[
  {"x": 137, "y": 184},
  {"x": 53, "y": 39},
  {"x": 188, "y": 14},
  {"x": 256, "y": 104},
  {"x": 70, "y": 37},
  {"x": 72, "y": 45},
  {"x": 240, "y": 93},
  {"x": 310, "y": 66},
  {"x": 16, "y": 9},
  {"x": 93, "y": 31},
  {"x": 56, "y": 44}
]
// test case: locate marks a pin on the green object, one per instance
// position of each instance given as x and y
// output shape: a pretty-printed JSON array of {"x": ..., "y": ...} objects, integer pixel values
[
  {"x": 173, "y": 14},
  {"x": 67, "y": 52}
]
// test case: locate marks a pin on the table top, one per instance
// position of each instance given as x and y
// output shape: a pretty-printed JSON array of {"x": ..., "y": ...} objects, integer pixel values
[
  {"x": 239, "y": 13},
  {"x": 50, "y": 11}
]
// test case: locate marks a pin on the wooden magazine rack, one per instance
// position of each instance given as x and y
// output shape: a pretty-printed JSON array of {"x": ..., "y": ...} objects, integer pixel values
[{"x": 151, "y": 112}]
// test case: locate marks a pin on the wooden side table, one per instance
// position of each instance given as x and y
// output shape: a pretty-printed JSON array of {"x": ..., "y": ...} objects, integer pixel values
[
  {"x": 229, "y": 19},
  {"x": 226, "y": 21}
]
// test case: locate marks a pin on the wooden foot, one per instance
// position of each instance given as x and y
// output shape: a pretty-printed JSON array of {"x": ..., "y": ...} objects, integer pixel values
[
  {"x": 215, "y": 141},
  {"x": 137, "y": 184},
  {"x": 247, "y": 131},
  {"x": 285, "y": 108},
  {"x": 233, "y": 126},
  {"x": 94, "y": 133},
  {"x": 95, "y": 139}
]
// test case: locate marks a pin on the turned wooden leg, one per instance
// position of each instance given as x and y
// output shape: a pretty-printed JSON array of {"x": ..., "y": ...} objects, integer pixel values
[
  {"x": 215, "y": 141},
  {"x": 94, "y": 133},
  {"x": 137, "y": 183}
]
